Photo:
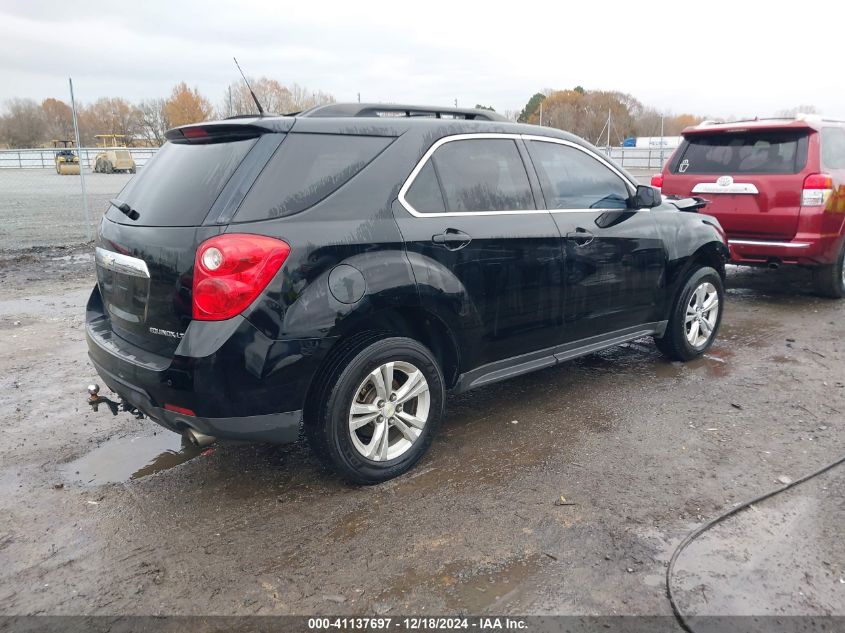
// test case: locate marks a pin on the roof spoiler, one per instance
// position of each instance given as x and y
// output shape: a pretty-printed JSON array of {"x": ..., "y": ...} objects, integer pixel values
[{"x": 203, "y": 134}]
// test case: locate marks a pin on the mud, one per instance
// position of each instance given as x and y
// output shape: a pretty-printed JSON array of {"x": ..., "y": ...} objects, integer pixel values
[{"x": 111, "y": 515}]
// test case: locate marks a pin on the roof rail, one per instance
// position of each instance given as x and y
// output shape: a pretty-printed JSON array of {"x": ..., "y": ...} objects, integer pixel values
[{"x": 388, "y": 110}]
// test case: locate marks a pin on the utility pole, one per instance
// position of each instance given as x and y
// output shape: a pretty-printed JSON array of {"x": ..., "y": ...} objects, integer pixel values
[
  {"x": 662, "y": 116},
  {"x": 456, "y": 103},
  {"x": 359, "y": 97},
  {"x": 81, "y": 164},
  {"x": 230, "y": 102},
  {"x": 607, "y": 147},
  {"x": 541, "y": 113}
]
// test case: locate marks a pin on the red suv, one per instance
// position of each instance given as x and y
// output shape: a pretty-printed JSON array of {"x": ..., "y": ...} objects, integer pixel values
[{"x": 777, "y": 186}]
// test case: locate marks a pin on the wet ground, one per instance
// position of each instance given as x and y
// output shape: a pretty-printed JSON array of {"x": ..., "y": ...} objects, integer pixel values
[{"x": 112, "y": 515}]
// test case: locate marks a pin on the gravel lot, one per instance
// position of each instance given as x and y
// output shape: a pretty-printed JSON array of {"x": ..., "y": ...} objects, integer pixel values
[
  {"x": 110, "y": 515},
  {"x": 38, "y": 207}
]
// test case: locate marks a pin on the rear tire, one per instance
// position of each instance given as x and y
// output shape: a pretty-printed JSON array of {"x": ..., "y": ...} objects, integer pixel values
[
  {"x": 369, "y": 431},
  {"x": 695, "y": 317},
  {"x": 829, "y": 280},
  {"x": 108, "y": 167}
]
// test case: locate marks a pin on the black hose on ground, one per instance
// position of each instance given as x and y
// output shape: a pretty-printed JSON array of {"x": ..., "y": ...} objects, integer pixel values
[{"x": 715, "y": 521}]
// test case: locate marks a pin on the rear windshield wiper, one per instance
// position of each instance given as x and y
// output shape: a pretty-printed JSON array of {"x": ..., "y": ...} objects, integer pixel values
[{"x": 125, "y": 209}]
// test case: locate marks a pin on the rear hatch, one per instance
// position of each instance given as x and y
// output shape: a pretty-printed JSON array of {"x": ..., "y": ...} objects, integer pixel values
[
  {"x": 753, "y": 177},
  {"x": 150, "y": 233}
]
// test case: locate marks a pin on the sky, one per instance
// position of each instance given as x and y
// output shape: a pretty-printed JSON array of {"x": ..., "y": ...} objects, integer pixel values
[{"x": 711, "y": 57}]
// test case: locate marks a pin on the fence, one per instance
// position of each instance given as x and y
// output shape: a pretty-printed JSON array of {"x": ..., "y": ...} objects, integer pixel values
[
  {"x": 45, "y": 158},
  {"x": 639, "y": 158}
]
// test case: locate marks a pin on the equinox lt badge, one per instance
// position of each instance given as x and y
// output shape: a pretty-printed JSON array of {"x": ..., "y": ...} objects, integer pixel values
[{"x": 168, "y": 333}]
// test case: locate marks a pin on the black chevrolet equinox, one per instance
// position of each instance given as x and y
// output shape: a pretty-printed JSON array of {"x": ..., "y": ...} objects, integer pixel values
[{"x": 336, "y": 272}]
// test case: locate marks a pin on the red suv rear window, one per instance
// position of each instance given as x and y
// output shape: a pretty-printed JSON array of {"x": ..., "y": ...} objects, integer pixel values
[{"x": 746, "y": 152}]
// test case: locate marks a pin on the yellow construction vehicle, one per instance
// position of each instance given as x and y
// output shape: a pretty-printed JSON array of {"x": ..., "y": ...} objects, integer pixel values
[
  {"x": 113, "y": 155},
  {"x": 67, "y": 162}
]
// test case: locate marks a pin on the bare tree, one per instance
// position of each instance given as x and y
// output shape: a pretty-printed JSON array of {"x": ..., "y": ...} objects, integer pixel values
[
  {"x": 109, "y": 116},
  {"x": 801, "y": 109},
  {"x": 23, "y": 124},
  {"x": 153, "y": 121},
  {"x": 274, "y": 97},
  {"x": 58, "y": 119}
]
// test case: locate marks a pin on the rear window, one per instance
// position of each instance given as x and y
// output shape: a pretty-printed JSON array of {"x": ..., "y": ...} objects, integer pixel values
[
  {"x": 306, "y": 169},
  {"x": 757, "y": 152},
  {"x": 178, "y": 186}
]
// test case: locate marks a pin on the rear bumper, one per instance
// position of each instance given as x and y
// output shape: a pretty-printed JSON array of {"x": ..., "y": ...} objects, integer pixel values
[
  {"x": 276, "y": 428},
  {"x": 805, "y": 250},
  {"x": 239, "y": 383}
]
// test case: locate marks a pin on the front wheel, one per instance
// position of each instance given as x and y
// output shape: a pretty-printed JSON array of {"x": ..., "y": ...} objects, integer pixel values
[
  {"x": 830, "y": 280},
  {"x": 378, "y": 410},
  {"x": 695, "y": 316}
]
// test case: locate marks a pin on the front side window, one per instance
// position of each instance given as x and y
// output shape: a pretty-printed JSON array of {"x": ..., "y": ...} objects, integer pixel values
[
  {"x": 472, "y": 175},
  {"x": 572, "y": 179}
]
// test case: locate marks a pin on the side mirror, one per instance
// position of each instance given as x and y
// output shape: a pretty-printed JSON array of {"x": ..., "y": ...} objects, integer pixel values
[{"x": 646, "y": 198}]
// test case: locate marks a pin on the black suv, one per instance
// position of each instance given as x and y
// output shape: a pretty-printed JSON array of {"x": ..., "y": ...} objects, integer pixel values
[{"x": 339, "y": 270}]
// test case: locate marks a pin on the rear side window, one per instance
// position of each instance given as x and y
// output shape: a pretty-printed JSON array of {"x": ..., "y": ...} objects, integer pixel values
[
  {"x": 833, "y": 148},
  {"x": 473, "y": 175},
  {"x": 756, "y": 152},
  {"x": 306, "y": 169},
  {"x": 572, "y": 179},
  {"x": 180, "y": 184}
]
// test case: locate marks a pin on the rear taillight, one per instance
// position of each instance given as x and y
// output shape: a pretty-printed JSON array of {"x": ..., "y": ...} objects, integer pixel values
[
  {"x": 817, "y": 190},
  {"x": 657, "y": 181},
  {"x": 231, "y": 270}
]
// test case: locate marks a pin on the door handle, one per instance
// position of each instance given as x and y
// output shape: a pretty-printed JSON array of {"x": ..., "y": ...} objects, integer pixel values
[
  {"x": 452, "y": 239},
  {"x": 581, "y": 237}
]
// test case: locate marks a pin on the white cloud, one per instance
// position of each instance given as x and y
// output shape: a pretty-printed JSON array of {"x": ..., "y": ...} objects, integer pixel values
[{"x": 717, "y": 58}]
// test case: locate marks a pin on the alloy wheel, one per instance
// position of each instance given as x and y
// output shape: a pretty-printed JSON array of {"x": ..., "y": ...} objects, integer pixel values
[
  {"x": 389, "y": 411},
  {"x": 701, "y": 315}
]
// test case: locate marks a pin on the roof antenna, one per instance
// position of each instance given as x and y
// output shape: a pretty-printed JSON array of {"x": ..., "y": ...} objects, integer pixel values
[{"x": 254, "y": 98}]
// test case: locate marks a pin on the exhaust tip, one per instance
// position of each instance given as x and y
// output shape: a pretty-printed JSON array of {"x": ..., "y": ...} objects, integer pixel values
[{"x": 198, "y": 439}]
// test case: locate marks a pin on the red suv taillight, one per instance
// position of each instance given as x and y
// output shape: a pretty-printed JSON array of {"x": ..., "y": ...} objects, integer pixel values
[
  {"x": 817, "y": 190},
  {"x": 657, "y": 181},
  {"x": 231, "y": 270}
]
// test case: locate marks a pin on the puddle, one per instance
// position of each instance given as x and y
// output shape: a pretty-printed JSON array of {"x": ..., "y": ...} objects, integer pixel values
[{"x": 128, "y": 458}]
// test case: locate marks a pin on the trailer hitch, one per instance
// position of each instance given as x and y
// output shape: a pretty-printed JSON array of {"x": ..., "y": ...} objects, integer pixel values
[{"x": 95, "y": 400}]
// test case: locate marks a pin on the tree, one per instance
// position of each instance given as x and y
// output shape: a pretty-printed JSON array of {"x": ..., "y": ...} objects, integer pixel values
[
  {"x": 186, "y": 106},
  {"x": 109, "y": 116},
  {"x": 153, "y": 120},
  {"x": 23, "y": 124},
  {"x": 675, "y": 125},
  {"x": 273, "y": 96},
  {"x": 58, "y": 119},
  {"x": 478, "y": 106},
  {"x": 531, "y": 107},
  {"x": 801, "y": 109}
]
